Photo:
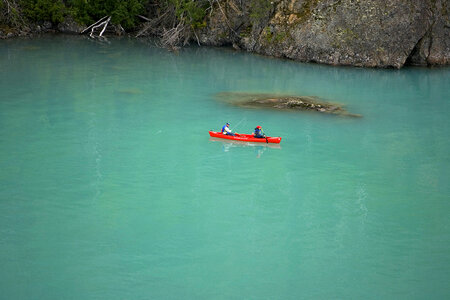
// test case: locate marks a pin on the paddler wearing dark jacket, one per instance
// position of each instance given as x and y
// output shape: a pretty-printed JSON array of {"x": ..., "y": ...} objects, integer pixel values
[{"x": 259, "y": 133}]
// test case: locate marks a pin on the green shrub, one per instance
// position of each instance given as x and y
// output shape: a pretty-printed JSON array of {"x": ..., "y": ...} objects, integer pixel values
[
  {"x": 44, "y": 10},
  {"x": 121, "y": 12},
  {"x": 190, "y": 11},
  {"x": 10, "y": 14}
]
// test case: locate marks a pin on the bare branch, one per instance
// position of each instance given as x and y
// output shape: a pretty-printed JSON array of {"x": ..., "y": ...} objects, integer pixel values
[{"x": 89, "y": 27}]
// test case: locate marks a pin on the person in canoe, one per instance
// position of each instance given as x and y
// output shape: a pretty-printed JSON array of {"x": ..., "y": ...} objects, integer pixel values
[
  {"x": 226, "y": 129},
  {"x": 259, "y": 133}
]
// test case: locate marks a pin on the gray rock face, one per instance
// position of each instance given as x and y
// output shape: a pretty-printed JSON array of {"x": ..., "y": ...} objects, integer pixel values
[
  {"x": 368, "y": 33},
  {"x": 69, "y": 26}
]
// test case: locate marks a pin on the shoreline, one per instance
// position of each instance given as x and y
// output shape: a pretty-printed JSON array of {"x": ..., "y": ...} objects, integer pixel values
[
  {"x": 366, "y": 34},
  {"x": 131, "y": 35}
]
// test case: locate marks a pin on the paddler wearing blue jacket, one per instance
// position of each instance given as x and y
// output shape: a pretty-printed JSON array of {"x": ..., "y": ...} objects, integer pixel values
[
  {"x": 226, "y": 129},
  {"x": 259, "y": 133}
]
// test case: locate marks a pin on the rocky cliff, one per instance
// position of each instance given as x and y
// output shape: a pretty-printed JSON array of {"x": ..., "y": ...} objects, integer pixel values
[{"x": 367, "y": 33}]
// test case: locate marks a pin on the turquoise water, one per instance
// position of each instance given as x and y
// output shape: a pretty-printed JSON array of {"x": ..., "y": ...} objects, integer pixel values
[{"x": 112, "y": 189}]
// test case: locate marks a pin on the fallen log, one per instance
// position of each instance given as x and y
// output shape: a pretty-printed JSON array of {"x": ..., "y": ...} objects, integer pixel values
[
  {"x": 104, "y": 24},
  {"x": 93, "y": 24}
]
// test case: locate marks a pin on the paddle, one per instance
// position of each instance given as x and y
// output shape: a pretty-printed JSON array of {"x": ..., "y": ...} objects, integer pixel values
[{"x": 262, "y": 132}]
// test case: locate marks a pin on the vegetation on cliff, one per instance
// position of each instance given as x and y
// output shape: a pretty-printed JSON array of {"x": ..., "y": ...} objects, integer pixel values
[
  {"x": 173, "y": 20},
  {"x": 16, "y": 13}
]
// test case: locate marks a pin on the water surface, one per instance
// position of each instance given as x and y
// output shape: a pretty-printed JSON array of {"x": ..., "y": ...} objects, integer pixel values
[{"x": 112, "y": 189}]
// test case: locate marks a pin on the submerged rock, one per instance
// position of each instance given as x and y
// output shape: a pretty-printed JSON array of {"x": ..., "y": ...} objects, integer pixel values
[{"x": 283, "y": 102}]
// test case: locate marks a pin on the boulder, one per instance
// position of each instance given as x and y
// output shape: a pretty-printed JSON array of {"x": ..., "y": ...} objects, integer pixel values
[{"x": 70, "y": 26}]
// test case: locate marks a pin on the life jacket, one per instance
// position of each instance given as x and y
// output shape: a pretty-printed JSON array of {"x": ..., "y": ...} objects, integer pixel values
[
  {"x": 223, "y": 128},
  {"x": 258, "y": 133}
]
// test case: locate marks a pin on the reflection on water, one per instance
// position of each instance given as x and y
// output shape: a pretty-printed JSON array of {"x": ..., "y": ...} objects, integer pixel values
[
  {"x": 260, "y": 148},
  {"x": 245, "y": 144}
]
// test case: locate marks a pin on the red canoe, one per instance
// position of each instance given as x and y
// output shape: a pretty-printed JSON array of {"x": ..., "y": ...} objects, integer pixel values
[{"x": 245, "y": 138}]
